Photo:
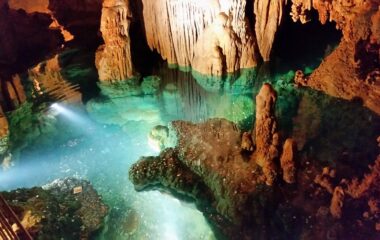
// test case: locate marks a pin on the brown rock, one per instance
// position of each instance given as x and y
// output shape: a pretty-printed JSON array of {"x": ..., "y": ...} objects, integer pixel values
[
  {"x": 17, "y": 54},
  {"x": 246, "y": 142},
  {"x": 40, "y": 6},
  {"x": 213, "y": 37},
  {"x": 325, "y": 179},
  {"x": 351, "y": 70},
  {"x": 266, "y": 135},
  {"x": 4, "y": 132},
  {"x": 287, "y": 161},
  {"x": 114, "y": 59},
  {"x": 337, "y": 202},
  {"x": 268, "y": 18}
]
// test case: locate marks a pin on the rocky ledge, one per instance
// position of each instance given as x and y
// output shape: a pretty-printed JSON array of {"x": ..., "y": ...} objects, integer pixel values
[
  {"x": 64, "y": 209},
  {"x": 256, "y": 185}
]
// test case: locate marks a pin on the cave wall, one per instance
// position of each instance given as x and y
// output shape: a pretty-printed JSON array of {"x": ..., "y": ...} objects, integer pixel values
[{"x": 352, "y": 70}]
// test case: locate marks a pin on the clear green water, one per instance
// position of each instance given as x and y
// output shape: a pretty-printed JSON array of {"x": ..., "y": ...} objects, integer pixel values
[{"x": 100, "y": 140}]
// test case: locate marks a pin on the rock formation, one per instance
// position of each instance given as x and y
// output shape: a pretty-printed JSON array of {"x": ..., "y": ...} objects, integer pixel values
[
  {"x": 4, "y": 133},
  {"x": 209, "y": 156},
  {"x": 206, "y": 164},
  {"x": 40, "y": 6},
  {"x": 16, "y": 54},
  {"x": 267, "y": 138},
  {"x": 114, "y": 59},
  {"x": 65, "y": 208},
  {"x": 74, "y": 18},
  {"x": 268, "y": 18},
  {"x": 212, "y": 37},
  {"x": 337, "y": 202},
  {"x": 352, "y": 70},
  {"x": 287, "y": 161},
  {"x": 246, "y": 142}
]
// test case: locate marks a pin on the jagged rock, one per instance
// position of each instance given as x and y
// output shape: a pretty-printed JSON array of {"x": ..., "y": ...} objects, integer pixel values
[
  {"x": 213, "y": 37},
  {"x": 79, "y": 17},
  {"x": 357, "y": 189},
  {"x": 114, "y": 59},
  {"x": 344, "y": 72},
  {"x": 287, "y": 161},
  {"x": 268, "y": 18},
  {"x": 266, "y": 135},
  {"x": 55, "y": 212},
  {"x": 325, "y": 179},
  {"x": 168, "y": 171},
  {"x": 300, "y": 10},
  {"x": 246, "y": 142},
  {"x": 15, "y": 27},
  {"x": 40, "y": 6},
  {"x": 159, "y": 137},
  {"x": 211, "y": 151},
  {"x": 337, "y": 202},
  {"x": 299, "y": 78}
]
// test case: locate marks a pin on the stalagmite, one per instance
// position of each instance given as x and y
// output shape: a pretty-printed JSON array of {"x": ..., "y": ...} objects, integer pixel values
[
  {"x": 337, "y": 202},
  {"x": 287, "y": 161},
  {"x": 268, "y": 18},
  {"x": 211, "y": 36},
  {"x": 114, "y": 60},
  {"x": 266, "y": 135}
]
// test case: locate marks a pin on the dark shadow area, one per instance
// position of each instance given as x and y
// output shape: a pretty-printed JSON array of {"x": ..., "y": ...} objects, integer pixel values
[
  {"x": 299, "y": 45},
  {"x": 142, "y": 57}
]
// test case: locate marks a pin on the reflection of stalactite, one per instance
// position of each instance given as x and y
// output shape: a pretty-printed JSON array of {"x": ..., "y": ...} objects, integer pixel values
[
  {"x": 49, "y": 82},
  {"x": 194, "y": 101},
  {"x": 12, "y": 93}
]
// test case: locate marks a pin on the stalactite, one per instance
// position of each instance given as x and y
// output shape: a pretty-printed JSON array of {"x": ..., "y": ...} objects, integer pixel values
[
  {"x": 213, "y": 37},
  {"x": 114, "y": 60},
  {"x": 268, "y": 18}
]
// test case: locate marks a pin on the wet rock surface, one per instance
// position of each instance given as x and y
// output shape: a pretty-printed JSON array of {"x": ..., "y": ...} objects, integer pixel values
[
  {"x": 237, "y": 200},
  {"x": 64, "y": 209}
]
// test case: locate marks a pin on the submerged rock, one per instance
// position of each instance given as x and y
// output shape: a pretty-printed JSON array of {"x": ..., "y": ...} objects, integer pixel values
[{"x": 54, "y": 211}]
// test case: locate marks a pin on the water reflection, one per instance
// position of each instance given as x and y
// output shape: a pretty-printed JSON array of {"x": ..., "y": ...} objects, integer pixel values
[{"x": 101, "y": 140}]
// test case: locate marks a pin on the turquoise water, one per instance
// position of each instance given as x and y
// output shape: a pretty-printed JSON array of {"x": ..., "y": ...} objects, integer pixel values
[{"x": 101, "y": 139}]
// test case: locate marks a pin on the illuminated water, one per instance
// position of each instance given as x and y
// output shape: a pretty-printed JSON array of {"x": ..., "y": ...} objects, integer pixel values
[{"x": 101, "y": 140}]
